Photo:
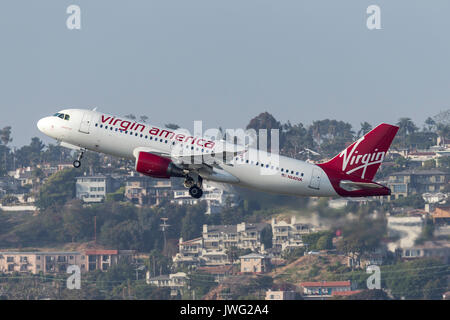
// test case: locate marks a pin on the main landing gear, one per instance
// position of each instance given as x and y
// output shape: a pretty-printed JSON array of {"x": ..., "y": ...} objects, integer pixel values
[
  {"x": 195, "y": 187},
  {"x": 77, "y": 163}
]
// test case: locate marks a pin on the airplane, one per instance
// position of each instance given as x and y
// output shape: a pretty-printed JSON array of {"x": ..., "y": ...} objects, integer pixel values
[{"x": 165, "y": 153}]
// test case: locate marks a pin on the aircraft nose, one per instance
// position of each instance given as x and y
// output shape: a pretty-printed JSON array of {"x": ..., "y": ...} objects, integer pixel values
[
  {"x": 40, "y": 125},
  {"x": 43, "y": 125}
]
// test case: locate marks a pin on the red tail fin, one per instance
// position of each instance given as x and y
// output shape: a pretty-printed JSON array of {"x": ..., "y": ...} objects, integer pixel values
[{"x": 364, "y": 156}]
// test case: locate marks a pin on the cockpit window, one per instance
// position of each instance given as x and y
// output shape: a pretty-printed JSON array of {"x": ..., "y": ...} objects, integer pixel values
[{"x": 62, "y": 116}]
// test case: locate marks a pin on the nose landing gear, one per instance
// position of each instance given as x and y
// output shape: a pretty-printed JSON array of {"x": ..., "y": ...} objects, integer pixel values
[{"x": 77, "y": 163}]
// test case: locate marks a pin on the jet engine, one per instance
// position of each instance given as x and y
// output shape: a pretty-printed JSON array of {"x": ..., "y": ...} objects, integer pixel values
[{"x": 157, "y": 167}]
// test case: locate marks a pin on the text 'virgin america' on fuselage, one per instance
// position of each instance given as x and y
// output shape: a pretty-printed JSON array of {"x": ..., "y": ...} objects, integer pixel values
[{"x": 163, "y": 153}]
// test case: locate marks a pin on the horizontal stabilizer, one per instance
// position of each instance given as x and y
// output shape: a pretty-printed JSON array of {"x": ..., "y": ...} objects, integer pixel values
[{"x": 353, "y": 186}]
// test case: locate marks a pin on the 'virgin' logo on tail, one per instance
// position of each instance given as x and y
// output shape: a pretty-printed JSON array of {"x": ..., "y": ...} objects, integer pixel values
[{"x": 360, "y": 161}]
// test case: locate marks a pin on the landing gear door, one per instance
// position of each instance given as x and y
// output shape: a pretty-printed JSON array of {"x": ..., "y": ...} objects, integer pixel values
[
  {"x": 85, "y": 122},
  {"x": 315, "y": 179}
]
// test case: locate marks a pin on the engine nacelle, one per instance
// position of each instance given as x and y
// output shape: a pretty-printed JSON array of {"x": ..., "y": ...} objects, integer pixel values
[{"x": 157, "y": 167}]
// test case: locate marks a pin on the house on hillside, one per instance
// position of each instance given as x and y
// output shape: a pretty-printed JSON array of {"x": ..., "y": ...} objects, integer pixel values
[
  {"x": 408, "y": 182},
  {"x": 175, "y": 281},
  {"x": 324, "y": 289},
  {"x": 94, "y": 188},
  {"x": 280, "y": 295},
  {"x": 255, "y": 263},
  {"x": 59, "y": 261},
  {"x": 288, "y": 235}
]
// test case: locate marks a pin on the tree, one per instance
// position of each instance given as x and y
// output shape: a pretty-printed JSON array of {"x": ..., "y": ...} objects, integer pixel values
[
  {"x": 76, "y": 220},
  {"x": 5, "y": 135},
  {"x": 294, "y": 139},
  {"x": 58, "y": 189},
  {"x": 172, "y": 126},
  {"x": 143, "y": 119},
  {"x": 332, "y": 136},
  {"x": 192, "y": 224},
  {"x": 365, "y": 128},
  {"x": 374, "y": 294},
  {"x": 431, "y": 124},
  {"x": 5, "y": 138},
  {"x": 31, "y": 154},
  {"x": 407, "y": 127},
  {"x": 130, "y": 116},
  {"x": 318, "y": 240},
  {"x": 267, "y": 122},
  {"x": 418, "y": 279},
  {"x": 125, "y": 235},
  {"x": 158, "y": 263},
  {"x": 266, "y": 237},
  {"x": 443, "y": 131},
  {"x": 363, "y": 235}
]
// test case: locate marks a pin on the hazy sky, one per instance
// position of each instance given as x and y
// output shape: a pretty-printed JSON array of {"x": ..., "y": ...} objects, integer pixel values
[{"x": 224, "y": 61}]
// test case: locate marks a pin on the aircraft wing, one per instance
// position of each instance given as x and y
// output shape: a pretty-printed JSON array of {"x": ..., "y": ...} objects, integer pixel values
[
  {"x": 207, "y": 166},
  {"x": 194, "y": 160}
]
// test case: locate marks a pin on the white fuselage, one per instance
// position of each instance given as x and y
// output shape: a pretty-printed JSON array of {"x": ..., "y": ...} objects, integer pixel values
[{"x": 258, "y": 170}]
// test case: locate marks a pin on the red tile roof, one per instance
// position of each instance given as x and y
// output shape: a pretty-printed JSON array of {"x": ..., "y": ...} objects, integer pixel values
[{"x": 345, "y": 293}]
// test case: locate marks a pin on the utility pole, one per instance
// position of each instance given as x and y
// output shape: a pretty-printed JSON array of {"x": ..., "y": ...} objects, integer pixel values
[
  {"x": 95, "y": 229},
  {"x": 164, "y": 227}
]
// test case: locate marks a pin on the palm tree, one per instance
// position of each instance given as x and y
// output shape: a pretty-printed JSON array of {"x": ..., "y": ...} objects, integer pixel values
[
  {"x": 365, "y": 127},
  {"x": 443, "y": 131},
  {"x": 407, "y": 127},
  {"x": 5, "y": 137}
]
